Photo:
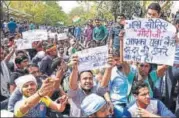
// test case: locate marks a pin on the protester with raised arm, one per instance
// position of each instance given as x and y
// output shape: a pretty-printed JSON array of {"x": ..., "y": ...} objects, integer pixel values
[
  {"x": 81, "y": 85},
  {"x": 34, "y": 103}
]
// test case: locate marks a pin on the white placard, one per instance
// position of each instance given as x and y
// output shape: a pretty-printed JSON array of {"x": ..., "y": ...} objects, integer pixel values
[
  {"x": 23, "y": 44},
  {"x": 149, "y": 40},
  {"x": 35, "y": 35},
  {"x": 62, "y": 36},
  {"x": 52, "y": 35},
  {"x": 92, "y": 58}
]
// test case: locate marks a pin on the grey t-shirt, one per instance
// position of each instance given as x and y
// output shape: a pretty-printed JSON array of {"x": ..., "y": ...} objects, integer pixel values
[{"x": 76, "y": 97}]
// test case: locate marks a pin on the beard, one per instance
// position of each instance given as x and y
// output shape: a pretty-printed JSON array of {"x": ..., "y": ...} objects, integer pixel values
[{"x": 86, "y": 90}]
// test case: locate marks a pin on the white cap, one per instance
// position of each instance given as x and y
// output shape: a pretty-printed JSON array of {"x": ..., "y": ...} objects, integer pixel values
[
  {"x": 92, "y": 104},
  {"x": 23, "y": 80}
]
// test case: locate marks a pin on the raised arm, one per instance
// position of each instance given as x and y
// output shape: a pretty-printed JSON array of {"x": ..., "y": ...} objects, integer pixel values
[
  {"x": 107, "y": 73},
  {"x": 125, "y": 65},
  {"x": 73, "y": 81},
  {"x": 61, "y": 105},
  {"x": 33, "y": 100},
  {"x": 8, "y": 57},
  {"x": 161, "y": 70},
  {"x": 60, "y": 74}
]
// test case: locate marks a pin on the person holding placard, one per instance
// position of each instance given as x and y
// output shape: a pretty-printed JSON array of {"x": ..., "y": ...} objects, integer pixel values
[
  {"x": 121, "y": 82},
  {"x": 82, "y": 85}
]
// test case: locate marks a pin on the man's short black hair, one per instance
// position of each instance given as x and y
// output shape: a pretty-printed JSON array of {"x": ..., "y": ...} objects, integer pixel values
[
  {"x": 122, "y": 15},
  {"x": 85, "y": 71},
  {"x": 137, "y": 86},
  {"x": 32, "y": 65},
  {"x": 56, "y": 62},
  {"x": 18, "y": 60},
  {"x": 20, "y": 51},
  {"x": 155, "y": 6}
]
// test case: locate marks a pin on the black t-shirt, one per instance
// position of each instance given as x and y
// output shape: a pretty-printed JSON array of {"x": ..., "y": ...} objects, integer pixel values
[{"x": 17, "y": 73}]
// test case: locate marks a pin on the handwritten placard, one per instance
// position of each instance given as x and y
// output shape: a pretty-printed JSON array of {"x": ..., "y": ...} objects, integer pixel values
[
  {"x": 52, "y": 35},
  {"x": 62, "y": 36},
  {"x": 23, "y": 44},
  {"x": 92, "y": 58},
  {"x": 149, "y": 40},
  {"x": 35, "y": 35}
]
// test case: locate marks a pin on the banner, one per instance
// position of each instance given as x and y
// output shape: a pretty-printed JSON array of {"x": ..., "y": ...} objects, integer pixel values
[
  {"x": 92, "y": 58},
  {"x": 62, "y": 36},
  {"x": 35, "y": 35},
  {"x": 23, "y": 44},
  {"x": 149, "y": 40}
]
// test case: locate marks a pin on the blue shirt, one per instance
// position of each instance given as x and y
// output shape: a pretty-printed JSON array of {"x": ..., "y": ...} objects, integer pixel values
[
  {"x": 114, "y": 34},
  {"x": 118, "y": 87},
  {"x": 77, "y": 32},
  {"x": 12, "y": 26}
]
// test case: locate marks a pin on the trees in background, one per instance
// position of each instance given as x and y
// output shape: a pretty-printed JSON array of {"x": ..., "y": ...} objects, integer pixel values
[
  {"x": 49, "y": 12},
  {"x": 43, "y": 12}
]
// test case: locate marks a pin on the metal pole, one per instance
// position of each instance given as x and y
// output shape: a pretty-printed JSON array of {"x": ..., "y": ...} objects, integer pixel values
[
  {"x": 8, "y": 13},
  {"x": 120, "y": 6}
]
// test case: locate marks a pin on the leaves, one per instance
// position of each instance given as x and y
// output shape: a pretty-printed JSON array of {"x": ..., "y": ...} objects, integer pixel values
[{"x": 48, "y": 12}]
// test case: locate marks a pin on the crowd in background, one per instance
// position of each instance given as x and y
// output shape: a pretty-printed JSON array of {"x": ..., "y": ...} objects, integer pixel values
[{"x": 45, "y": 81}]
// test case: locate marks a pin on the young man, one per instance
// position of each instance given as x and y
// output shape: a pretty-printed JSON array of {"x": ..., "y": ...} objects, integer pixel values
[
  {"x": 89, "y": 32},
  {"x": 114, "y": 33},
  {"x": 34, "y": 70},
  {"x": 153, "y": 11},
  {"x": 100, "y": 32},
  {"x": 123, "y": 75},
  {"x": 45, "y": 64},
  {"x": 16, "y": 95},
  {"x": 21, "y": 64},
  {"x": 79, "y": 90},
  {"x": 12, "y": 26},
  {"x": 34, "y": 103},
  {"x": 144, "y": 106},
  {"x": 97, "y": 107},
  {"x": 5, "y": 74}
]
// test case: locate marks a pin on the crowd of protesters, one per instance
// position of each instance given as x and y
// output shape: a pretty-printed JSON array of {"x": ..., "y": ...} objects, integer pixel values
[{"x": 45, "y": 81}]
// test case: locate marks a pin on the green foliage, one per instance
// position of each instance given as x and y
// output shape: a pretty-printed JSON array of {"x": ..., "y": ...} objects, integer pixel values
[{"x": 48, "y": 12}]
